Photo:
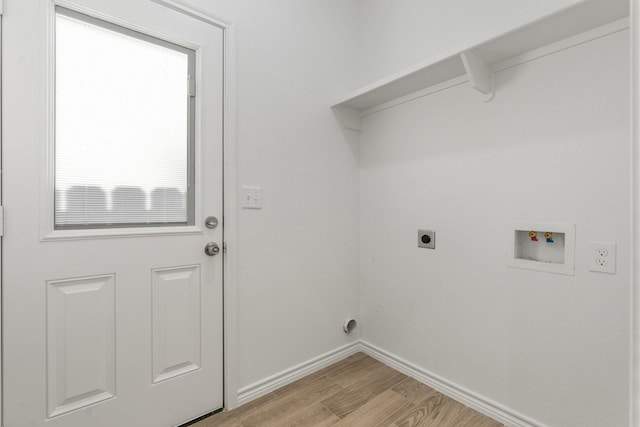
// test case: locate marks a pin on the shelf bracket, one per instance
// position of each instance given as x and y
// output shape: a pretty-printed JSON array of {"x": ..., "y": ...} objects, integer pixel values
[
  {"x": 479, "y": 73},
  {"x": 349, "y": 118}
]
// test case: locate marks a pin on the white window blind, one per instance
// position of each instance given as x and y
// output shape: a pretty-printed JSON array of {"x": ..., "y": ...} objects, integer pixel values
[{"x": 123, "y": 128}]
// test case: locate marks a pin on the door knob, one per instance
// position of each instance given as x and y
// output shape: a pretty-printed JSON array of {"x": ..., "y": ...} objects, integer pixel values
[{"x": 211, "y": 249}]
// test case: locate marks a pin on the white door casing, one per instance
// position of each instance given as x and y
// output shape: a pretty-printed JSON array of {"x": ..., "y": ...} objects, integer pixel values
[
  {"x": 1, "y": 215},
  {"x": 108, "y": 327}
]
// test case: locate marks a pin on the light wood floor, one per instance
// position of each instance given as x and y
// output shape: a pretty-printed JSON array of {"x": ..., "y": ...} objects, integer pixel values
[{"x": 357, "y": 391}]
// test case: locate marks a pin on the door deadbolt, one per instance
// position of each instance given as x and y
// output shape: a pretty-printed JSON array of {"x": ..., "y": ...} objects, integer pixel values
[
  {"x": 211, "y": 222},
  {"x": 211, "y": 249}
]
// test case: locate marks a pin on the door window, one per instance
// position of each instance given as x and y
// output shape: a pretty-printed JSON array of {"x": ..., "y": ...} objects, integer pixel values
[{"x": 124, "y": 127}]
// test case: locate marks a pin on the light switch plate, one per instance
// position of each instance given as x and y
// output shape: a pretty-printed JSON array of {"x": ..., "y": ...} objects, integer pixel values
[{"x": 251, "y": 197}]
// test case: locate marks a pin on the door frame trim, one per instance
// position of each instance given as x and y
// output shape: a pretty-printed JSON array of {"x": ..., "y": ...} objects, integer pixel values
[
  {"x": 634, "y": 383},
  {"x": 229, "y": 220},
  {"x": 1, "y": 219}
]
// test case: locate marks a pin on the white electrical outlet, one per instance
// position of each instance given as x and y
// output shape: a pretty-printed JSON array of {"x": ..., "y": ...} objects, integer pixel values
[{"x": 602, "y": 257}]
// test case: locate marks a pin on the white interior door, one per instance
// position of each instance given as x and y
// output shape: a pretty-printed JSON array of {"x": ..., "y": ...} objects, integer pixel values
[{"x": 112, "y": 309}]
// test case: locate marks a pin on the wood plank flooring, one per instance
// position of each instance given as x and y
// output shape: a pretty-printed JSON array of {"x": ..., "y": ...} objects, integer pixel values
[{"x": 358, "y": 391}]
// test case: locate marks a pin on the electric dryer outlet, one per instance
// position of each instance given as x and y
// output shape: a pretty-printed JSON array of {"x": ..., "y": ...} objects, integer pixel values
[{"x": 427, "y": 239}]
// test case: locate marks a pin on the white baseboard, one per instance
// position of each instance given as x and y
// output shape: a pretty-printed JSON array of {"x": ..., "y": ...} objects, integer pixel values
[
  {"x": 267, "y": 385},
  {"x": 473, "y": 400},
  {"x": 479, "y": 403}
]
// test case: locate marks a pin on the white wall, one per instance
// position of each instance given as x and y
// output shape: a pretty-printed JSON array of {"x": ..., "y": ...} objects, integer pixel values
[
  {"x": 551, "y": 347},
  {"x": 553, "y": 146},
  {"x": 297, "y": 256},
  {"x": 396, "y": 35}
]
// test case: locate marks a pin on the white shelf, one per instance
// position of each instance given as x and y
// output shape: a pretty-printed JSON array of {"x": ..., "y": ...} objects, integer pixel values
[{"x": 476, "y": 63}]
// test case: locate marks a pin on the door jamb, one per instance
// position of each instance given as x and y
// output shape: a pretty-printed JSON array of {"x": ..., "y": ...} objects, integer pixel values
[
  {"x": 1, "y": 224},
  {"x": 634, "y": 400}
]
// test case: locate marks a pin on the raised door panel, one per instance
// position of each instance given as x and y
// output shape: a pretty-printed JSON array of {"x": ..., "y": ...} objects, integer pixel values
[
  {"x": 80, "y": 342},
  {"x": 176, "y": 321}
]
